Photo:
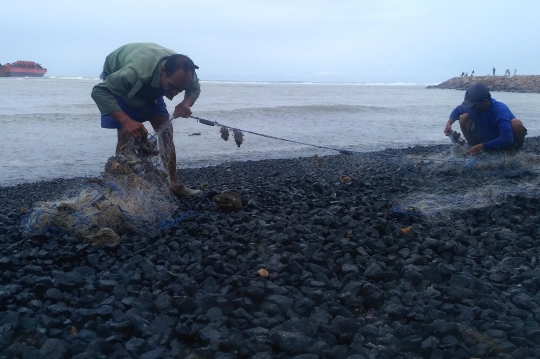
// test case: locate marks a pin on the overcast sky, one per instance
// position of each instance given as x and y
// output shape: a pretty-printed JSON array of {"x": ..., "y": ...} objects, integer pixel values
[{"x": 250, "y": 40}]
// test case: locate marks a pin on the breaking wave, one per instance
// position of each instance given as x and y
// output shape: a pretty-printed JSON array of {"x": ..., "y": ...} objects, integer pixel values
[{"x": 72, "y": 78}]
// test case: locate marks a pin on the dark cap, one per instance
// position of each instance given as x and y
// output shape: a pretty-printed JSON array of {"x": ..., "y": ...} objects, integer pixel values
[{"x": 474, "y": 93}]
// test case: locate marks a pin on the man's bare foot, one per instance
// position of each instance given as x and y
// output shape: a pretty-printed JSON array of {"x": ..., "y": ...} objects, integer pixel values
[{"x": 181, "y": 191}]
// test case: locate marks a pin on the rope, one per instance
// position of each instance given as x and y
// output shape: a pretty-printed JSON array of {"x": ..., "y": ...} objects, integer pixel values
[
  {"x": 469, "y": 162},
  {"x": 340, "y": 150},
  {"x": 215, "y": 123}
]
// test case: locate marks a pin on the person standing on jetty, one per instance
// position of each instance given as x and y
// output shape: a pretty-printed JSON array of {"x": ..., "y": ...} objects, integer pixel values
[
  {"x": 135, "y": 78},
  {"x": 494, "y": 71},
  {"x": 486, "y": 123}
]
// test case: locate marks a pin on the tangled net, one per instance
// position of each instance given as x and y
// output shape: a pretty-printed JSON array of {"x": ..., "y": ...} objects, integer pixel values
[
  {"x": 493, "y": 164},
  {"x": 436, "y": 208},
  {"x": 132, "y": 194},
  {"x": 441, "y": 207},
  {"x": 492, "y": 177}
]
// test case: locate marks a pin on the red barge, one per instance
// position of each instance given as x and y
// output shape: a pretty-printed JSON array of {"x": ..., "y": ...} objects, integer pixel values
[{"x": 22, "y": 69}]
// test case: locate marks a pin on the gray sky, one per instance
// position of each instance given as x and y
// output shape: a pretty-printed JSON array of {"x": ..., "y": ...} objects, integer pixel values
[{"x": 253, "y": 40}]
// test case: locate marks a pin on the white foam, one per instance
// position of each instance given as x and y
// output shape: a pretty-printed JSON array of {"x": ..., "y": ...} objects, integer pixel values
[{"x": 71, "y": 78}]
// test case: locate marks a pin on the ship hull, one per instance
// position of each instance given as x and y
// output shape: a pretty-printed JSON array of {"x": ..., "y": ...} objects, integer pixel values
[{"x": 20, "y": 72}]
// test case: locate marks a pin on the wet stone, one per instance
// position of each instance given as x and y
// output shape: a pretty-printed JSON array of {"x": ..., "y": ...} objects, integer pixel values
[
  {"x": 10, "y": 317},
  {"x": 164, "y": 302},
  {"x": 290, "y": 342},
  {"x": 158, "y": 353},
  {"x": 68, "y": 280},
  {"x": 214, "y": 314},
  {"x": 58, "y": 309},
  {"x": 53, "y": 349},
  {"x": 137, "y": 346},
  {"x": 160, "y": 325},
  {"x": 53, "y": 294},
  {"x": 106, "y": 285},
  {"x": 30, "y": 353},
  {"x": 6, "y": 335}
]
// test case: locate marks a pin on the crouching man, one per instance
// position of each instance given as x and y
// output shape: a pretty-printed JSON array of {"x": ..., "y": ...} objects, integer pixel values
[{"x": 486, "y": 123}]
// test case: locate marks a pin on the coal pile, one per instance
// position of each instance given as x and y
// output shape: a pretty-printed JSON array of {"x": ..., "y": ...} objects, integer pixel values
[{"x": 312, "y": 266}]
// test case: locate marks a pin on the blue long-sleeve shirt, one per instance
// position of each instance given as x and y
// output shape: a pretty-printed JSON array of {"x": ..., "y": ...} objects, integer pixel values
[{"x": 493, "y": 127}]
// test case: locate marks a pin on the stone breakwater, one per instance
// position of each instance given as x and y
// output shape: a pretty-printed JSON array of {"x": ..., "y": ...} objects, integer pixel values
[
  {"x": 343, "y": 279},
  {"x": 495, "y": 83}
]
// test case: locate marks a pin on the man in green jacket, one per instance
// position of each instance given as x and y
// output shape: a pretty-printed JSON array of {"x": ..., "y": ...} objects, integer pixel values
[{"x": 135, "y": 79}]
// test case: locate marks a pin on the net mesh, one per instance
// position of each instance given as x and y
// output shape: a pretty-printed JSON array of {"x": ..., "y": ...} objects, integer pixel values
[{"x": 132, "y": 194}]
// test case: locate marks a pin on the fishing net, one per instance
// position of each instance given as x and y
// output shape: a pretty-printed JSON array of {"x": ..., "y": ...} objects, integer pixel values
[
  {"x": 426, "y": 170},
  {"x": 132, "y": 194},
  {"x": 490, "y": 179},
  {"x": 439, "y": 208}
]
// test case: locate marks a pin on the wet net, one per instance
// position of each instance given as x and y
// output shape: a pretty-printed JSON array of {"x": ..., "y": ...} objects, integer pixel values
[
  {"x": 132, "y": 194},
  {"x": 490, "y": 176}
]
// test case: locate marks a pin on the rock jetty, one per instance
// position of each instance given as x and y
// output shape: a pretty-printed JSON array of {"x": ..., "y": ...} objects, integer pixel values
[{"x": 525, "y": 84}]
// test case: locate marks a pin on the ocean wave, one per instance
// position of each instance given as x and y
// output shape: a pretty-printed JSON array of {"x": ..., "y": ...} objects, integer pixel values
[
  {"x": 315, "y": 83},
  {"x": 72, "y": 78},
  {"x": 393, "y": 84},
  {"x": 237, "y": 82},
  {"x": 296, "y": 110}
]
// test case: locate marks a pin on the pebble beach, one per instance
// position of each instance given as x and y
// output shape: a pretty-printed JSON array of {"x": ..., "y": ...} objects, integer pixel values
[{"x": 316, "y": 264}]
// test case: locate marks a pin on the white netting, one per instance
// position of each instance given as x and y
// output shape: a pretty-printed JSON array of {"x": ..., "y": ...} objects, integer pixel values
[{"x": 132, "y": 194}]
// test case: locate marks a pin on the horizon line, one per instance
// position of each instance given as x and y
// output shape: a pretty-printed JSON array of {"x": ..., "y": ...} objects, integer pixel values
[{"x": 402, "y": 83}]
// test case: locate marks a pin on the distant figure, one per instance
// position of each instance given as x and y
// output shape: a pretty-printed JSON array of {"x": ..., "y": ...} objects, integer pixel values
[
  {"x": 515, "y": 70},
  {"x": 466, "y": 74},
  {"x": 472, "y": 73},
  {"x": 462, "y": 74},
  {"x": 487, "y": 124},
  {"x": 493, "y": 71}
]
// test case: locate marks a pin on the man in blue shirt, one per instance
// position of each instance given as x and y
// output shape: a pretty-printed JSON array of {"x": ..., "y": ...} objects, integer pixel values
[{"x": 486, "y": 123}]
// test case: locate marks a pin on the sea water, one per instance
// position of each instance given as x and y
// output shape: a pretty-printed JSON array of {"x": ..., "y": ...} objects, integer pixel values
[{"x": 51, "y": 127}]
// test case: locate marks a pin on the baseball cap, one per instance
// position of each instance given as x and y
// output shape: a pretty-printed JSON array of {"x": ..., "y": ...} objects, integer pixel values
[{"x": 475, "y": 93}]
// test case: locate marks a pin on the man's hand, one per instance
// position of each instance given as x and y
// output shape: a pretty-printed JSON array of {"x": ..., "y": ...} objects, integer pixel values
[
  {"x": 135, "y": 129},
  {"x": 473, "y": 151},
  {"x": 183, "y": 109},
  {"x": 448, "y": 128}
]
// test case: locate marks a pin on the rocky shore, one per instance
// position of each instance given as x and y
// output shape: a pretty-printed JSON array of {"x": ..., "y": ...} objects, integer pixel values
[
  {"x": 495, "y": 83},
  {"x": 315, "y": 265}
]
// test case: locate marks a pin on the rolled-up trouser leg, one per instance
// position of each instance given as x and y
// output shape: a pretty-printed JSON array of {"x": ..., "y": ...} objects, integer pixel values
[
  {"x": 519, "y": 132},
  {"x": 467, "y": 128}
]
